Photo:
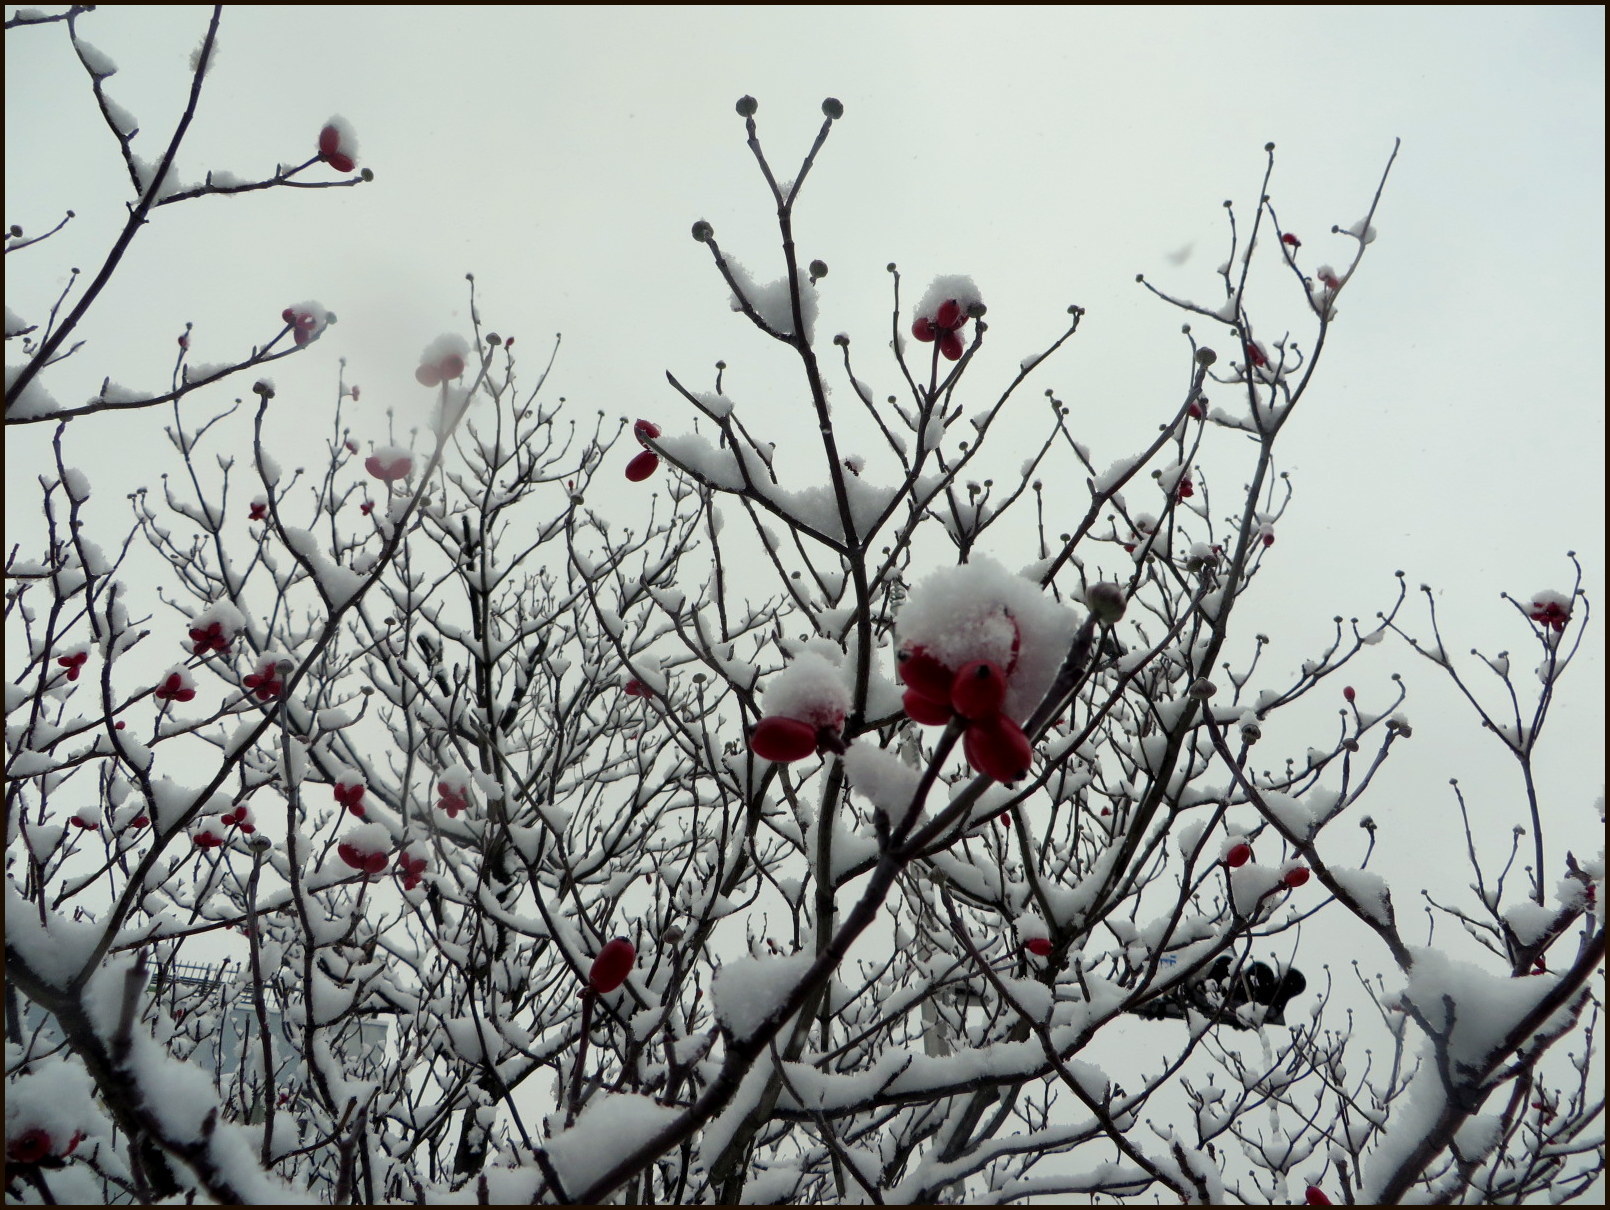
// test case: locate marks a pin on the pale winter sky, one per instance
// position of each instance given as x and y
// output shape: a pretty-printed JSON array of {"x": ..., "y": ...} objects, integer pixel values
[{"x": 1456, "y": 429}]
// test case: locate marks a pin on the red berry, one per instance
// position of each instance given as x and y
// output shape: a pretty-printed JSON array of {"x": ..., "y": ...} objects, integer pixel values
[
  {"x": 388, "y": 472},
  {"x": 1194, "y": 411},
  {"x": 1255, "y": 355},
  {"x": 923, "y": 329},
  {"x": 783, "y": 739},
  {"x": 1291, "y": 241},
  {"x": 645, "y": 430},
  {"x": 1238, "y": 855},
  {"x": 925, "y": 710},
  {"x": 997, "y": 748},
  {"x": 1268, "y": 539},
  {"x": 950, "y": 315},
  {"x": 1038, "y": 945},
  {"x": 925, "y": 674},
  {"x": 30, "y": 1146},
  {"x": 140, "y": 821},
  {"x": 636, "y": 688},
  {"x": 428, "y": 376},
  {"x": 950, "y": 346},
  {"x": 87, "y": 825},
  {"x": 1315, "y": 1196},
  {"x": 613, "y": 964},
  {"x": 329, "y": 141},
  {"x": 978, "y": 690},
  {"x": 642, "y": 466},
  {"x": 1348, "y": 693},
  {"x": 451, "y": 366},
  {"x": 1296, "y": 877}
]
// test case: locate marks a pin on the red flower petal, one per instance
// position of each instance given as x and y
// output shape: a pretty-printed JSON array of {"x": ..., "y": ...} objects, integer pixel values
[{"x": 613, "y": 964}]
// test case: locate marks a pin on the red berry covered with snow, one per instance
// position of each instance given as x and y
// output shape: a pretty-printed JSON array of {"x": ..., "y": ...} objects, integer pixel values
[
  {"x": 978, "y": 690},
  {"x": 338, "y": 147},
  {"x": 1039, "y": 946},
  {"x": 1295, "y": 877},
  {"x": 390, "y": 463},
  {"x": 1238, "y": 855},
  {"x": 783, "y": 740},
  {"x": 1551, "y": 610}
]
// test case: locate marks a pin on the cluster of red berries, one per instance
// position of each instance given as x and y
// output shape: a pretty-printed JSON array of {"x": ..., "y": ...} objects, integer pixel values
[
  {"x": 259, "y": 510},
  {"x": 1241, "y": 852},
  {"x": 74, "y": 663},
  {"x": 174, "y": 689},
  {"x": 412, "y": 870},
  {"x": 350, "y": 797},
  {"x": 451, "y": 798},
  {"x": 265, "y": 683},
  {"x": 636, "y": 688},
  {"x": 945, "y": 327},
  {"x": 434, "y": 373},
  {"x": 1550, "y": 613},
  {"x": 240, "y": 817},
  {"x": 211, "y": 637},
  {"x": 362, "y": 860},
  {"x": 303, "y": 324},
  {"x": 993, "y": 743},
  {"x": 331, "y": 152},
  {"x": 646, "y": 463},
  {"x": 1038, "y": 946}
]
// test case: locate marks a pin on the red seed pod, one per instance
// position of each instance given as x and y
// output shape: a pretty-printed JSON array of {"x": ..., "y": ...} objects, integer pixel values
[
  {"x": 645, "y": 430},
  {"x": 922, "y": 672},
  {"x": 783, "y": 739},
  {"x": 997, "y": 748},
  {"x": 1296, "y": 877},
  {"x": 923, "y": 328},
  {"x": 950, "y": 315},
  {"x": 1038, "y": 945},
  {"x": 978, "y": 690},
  {"x": 642, "y": 466},
  {"x": 613, "y": 964},
  {"x": 1349, "y": 693},
  {"x": 1315, "y": 1196},
  {"x": 950, "y": 346},
  {"x": 925, "y": 710},
  {"x": 1238, "y": 855}
]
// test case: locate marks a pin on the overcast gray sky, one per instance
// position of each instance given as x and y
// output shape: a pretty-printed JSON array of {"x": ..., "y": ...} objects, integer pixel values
[{"x": 561, "y": 154}]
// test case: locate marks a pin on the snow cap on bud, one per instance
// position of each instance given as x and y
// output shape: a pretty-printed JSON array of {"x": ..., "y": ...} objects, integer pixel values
[
  {"x": 613, "y": 964},
  {"x": 810, "y": 692},
  {"x": 1106, "y": 601}
]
